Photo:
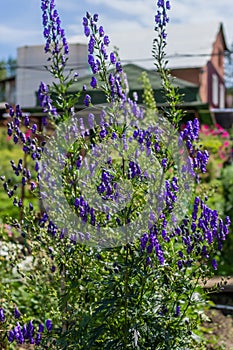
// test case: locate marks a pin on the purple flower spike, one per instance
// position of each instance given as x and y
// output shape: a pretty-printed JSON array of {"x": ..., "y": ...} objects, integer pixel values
[
  {"x": 2, "y": 316},
  {"x": 11, "y": 336},
  {"x": 164, "y": 163},
  {"x": 118, "y": 67},
  {"x": 87, "y": 100},
  {"x": 101, "y": 31},
  {"x": 168, "y": 5},
  {"x": 16, "y": 313},
  {"x": 214, "y": 264},
  {"x": 112, "y": 58},
  {"x": 160, "y": 3},
  {"x": 106, "y": 40},
  {"x": 38, "y": 339},
  {"x": 95, "y": 17},
  {"x": 41, "y": 328},
  {"x": 49, "y": 325},
  {"x": 177, "y": 312},
  {"x": 87, "y": 31},
  {"x": 85, "y": 21},
  {"x": 93, "y": 82}
]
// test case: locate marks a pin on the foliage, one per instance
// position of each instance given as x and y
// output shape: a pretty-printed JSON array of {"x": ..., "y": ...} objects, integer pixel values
[
  {"x": 217, "y": 141},
  {"x": 122, "y": 241},
  {"x": 225, "y": 265},
  {"x": 217, "y": 182}
]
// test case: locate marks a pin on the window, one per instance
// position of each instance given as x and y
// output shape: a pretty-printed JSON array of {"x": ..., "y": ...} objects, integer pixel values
[
  {"x": 215, "y": 89},
  {"x": 222, "y": 96}
]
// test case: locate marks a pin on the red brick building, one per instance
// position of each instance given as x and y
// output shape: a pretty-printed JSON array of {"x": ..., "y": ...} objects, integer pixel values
[{"x": 206, "y": 67}]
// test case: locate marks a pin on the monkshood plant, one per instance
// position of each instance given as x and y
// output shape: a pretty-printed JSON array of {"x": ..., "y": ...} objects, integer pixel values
[{"x": 121, "y": 246}]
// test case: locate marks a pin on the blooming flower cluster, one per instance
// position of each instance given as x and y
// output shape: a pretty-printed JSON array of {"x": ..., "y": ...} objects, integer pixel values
[
  {"x": 84, "y": 210},
  {"x": 161, "y": 18},
  {"x": 51, "y": 228},
  {"x": 26, "y": 333},
  {"x": 199, "y": 159},
  {"x": 53, "y": 33},
  {"x": 166, "y": 200},
  {"x": 29, "y": 145},
  {"x": 198, "y": 236},
  {"x": 107, "y": 188},
  {"x": 2, "y": 315},
  {"x": 45, "y": 99},
  {"x": 57, "y": 46},
  {"x": 116, "y": 87},
  {"x": 170, "y": 193},
  {"x": 216, "y": 130},
  {"x": 134, "y": 170},
  {"x": 147, "y": 138},
  {"x": 150, "y": 243},
  {"x": 217, "y": 140},
  {"x": 14, "y": 130}
]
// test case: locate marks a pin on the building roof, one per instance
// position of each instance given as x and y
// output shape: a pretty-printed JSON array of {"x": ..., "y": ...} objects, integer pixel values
[
  {"x": 133, "y": 72},
  {"x": 190, "y": 90},
  {"x": 189, "y": 45}
]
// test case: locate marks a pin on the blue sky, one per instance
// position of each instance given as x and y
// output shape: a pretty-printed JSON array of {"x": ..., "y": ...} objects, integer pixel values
[{"x": 21, "y": 19}]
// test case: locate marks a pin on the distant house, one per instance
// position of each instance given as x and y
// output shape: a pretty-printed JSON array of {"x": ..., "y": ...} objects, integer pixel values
[
  {"x": 199, "y": 58},
  {"x": 195, "y": 54},
  {"x": 7, "y": 90},
  {"x": 31, "y": 62}
]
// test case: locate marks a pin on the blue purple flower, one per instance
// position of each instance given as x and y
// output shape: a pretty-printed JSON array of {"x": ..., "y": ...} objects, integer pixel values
[
  {"x": 49, "y": 325},
  {"x": 93, "y": 82},
  {"x": 101, "y": 31},
  {"x": 2, "y": 315},
  {"x": 214, "y": 264},
  {"x": 87, "y": 100},
  {"x": 16, "y": 313},
  {"x": 53, "y": 33}
]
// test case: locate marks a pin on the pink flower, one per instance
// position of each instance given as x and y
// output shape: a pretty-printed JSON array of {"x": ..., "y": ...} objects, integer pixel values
[
  {"x": 205, "y": 127},
  {"x": 221, "y": 155},
  {"x": 226, "y": 144},
  {"x": 225, "y": 134},
  {"x": 219, "y": 127},
  {"x": 28, "y": 133}
]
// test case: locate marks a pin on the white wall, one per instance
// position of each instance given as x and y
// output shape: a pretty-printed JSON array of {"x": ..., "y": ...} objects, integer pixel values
[{"x": 30, "y": 72}]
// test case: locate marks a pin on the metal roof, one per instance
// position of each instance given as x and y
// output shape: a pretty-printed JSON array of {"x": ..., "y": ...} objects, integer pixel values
[{"x": 133, "y": 72}]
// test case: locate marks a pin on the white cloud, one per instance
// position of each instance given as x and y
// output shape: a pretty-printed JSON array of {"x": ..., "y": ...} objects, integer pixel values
[
  {"x": 67, "y": 5},
  {"x": 11, "y": 35},
  {"x": 130, "y": 7},
  {"x": 141, "y": 13},
  {"x": 116, "y": 16}
]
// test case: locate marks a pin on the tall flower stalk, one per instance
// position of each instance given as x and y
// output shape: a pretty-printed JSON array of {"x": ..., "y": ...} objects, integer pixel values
[
  {"x": 59, "y": 106},
  {"x": 122, "y": 248}
]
